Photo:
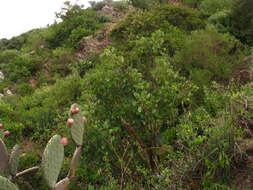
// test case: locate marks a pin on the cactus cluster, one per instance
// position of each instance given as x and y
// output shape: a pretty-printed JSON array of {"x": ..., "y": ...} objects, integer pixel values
[
  {"x": 9, "y": 164},
  {"x": 52, "y": 157}
]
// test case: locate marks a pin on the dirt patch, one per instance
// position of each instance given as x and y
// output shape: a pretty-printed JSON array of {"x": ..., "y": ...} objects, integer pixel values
[
  {"x": 97, "y": 43},
  {"x": 29, "y": 146},
  {"x": 243, "y": 179},
  {"x": 243, "y": 175}
]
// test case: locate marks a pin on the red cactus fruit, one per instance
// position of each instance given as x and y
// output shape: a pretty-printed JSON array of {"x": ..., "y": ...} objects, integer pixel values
[
  {"x": 6, "y": 133},
  {"x": 64, "y": 141},
  {"x": 75, "y": 110},
  {"x": 70, "y": 121}
]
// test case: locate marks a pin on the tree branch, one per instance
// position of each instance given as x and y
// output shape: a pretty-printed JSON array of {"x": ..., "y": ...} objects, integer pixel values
[
  {"x": 148, "y": 153},
  {"x": 63, "y": 184},
  {"x": 33, "y": 169}
]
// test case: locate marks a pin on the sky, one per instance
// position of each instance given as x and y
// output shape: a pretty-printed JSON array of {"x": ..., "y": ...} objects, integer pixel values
[{"x": 19, "y": 16}]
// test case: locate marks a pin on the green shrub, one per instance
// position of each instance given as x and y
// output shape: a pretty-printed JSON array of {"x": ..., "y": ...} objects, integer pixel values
[
  {"x": 144, "y": 53},
  {"x": 41, "y": 112},
  {"x": 150, "y": 103},
  {"x": 76, "y": 23},
  {"x": 242, "y": 20},
  {"x": 61, "y": 61},
  {"x": 24, "y": 89},
  {"x": 210, "y": 7},
  {"x": 97, "y": 5},
  {"x": 76, "y": 35},
  {"x": 120, "y": 5},
  {"x": 143, "y": 4},
  {"x": 143, "y": 23},
  {"x": 8, "y": 56},
  {"x": 221, "y": 21},
  {"x": 21, "y": 67},
  {"x": 208, "y": 55},
  {"x": 193, "y": 3}
]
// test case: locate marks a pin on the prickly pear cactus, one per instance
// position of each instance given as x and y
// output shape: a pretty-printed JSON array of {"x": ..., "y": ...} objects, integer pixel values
[
  {"x": 6, "y": 184},
  {"x": 52, "y": 160},
  {"x": 3, "y": 158},
  {"x": 77, "y": 128},
  {"x": 1, "y": 133},
  {"x": 14, "y": 159}
]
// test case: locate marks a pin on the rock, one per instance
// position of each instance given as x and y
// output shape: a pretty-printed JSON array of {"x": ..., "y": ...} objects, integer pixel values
[
  {"x": 8, "y": 92},
  {"x": 1, "y": 75},
  {"x": 107, "y": 10}
]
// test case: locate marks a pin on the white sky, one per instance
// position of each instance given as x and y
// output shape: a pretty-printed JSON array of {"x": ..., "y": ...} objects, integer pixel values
[{"x": 19, "y": 16}]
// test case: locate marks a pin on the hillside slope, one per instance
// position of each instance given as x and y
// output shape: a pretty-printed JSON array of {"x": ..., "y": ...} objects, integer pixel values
[{"x": 166, "y": 87}]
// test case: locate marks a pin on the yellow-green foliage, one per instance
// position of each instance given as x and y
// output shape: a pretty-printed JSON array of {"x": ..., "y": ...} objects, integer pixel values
[{"x": 143, "y": 23}]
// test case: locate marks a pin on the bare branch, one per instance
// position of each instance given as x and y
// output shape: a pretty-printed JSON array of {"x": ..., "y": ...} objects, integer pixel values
[
  {"x": 29, "y": 170},
  {"x": 63, "y": 184},
  {"x": 74, "y": 162},
  {"x": 148, "y": 153}
]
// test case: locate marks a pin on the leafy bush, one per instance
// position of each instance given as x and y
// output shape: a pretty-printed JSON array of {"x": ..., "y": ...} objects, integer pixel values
[
  {"x": 140, "y": 24},
  {"x": 39, "y": 112},
  {"x": 193, "y": 3},
  {"x": 76, "y": 23},
  {"x": 120, "y": 5},
  {"x": 115, "y": 92},
  {"x": 24, "y": 89},
  {"x": 143, "y": 4},
  {"x": 211, "y": 7},
  {"x": 208, "y": 55},
  {"x": 8, "y": 56},
  {"x": 62, "y": 60},
  {"x": 242, "y": 21},
  {"x": 97, "y": 5},
  {"x": 145, "y": 52},
  {"x": 21, "y": 67},
  {"x": 221, "y": 21}
]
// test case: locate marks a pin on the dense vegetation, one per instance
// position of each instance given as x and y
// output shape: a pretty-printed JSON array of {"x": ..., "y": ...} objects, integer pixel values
[{"x": 168, "y": 102}]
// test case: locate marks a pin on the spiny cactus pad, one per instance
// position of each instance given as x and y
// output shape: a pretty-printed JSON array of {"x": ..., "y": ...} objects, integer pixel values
[
  {"x": 14, "y": 159},
  {"x": 1, "y": 133},
  {"x": 3, "y": 158},
  {"x": 77, "y": 128},
  {"x": 6, "y": 184},
  {"x": 52, "y": 160}
]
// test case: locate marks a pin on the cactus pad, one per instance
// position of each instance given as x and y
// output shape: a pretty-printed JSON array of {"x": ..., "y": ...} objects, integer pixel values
[
  {"x": 52, "y": 160},
  {"x": 14, "y": 159},
  {"x": 3, "y": 158},
  {"x": 6, "y": 184},
  {"x": 77, "y": 128},
  {"x": 1, "y": 133}
]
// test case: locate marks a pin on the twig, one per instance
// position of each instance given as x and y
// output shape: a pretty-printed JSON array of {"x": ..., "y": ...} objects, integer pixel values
[
  {"x": 63, "y": 184},
  {"x": 33, "y": 169},
  {"x": 148, "y": 153}
]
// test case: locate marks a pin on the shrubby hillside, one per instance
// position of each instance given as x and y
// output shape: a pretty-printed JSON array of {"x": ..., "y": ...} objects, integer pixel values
[{"x": 165, "y": 87}]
